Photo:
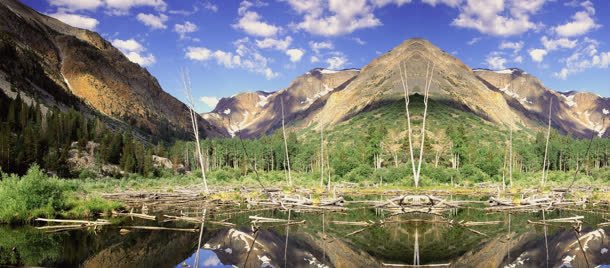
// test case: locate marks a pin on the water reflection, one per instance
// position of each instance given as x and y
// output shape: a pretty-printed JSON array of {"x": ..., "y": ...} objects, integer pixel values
[
  {"x": 413, "y": 239},
  {"x": 207, "y": 258}
]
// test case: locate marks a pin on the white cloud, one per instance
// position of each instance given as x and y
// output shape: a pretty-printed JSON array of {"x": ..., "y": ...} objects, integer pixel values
[
  {"x": 515, "y": 46},
  {"x": 318, "y": 46},
  {"x": 273, "y": 43},
  {"x": 184, "y": 29},
  {"x": 79, "y": 21},
  {"x": 198, "y": 53},
  {"x": 72, "y": 5},
  {"x": 496, "y": 17},
  {"x": 128, "y": 45},
  {"x": 245, "y": 57},
  {"x": 495, "y": 61},
  {"x": 451, "y": 3},
  {"x": 209, "y": 101},
  {"x": 314, "y": 59},
  {"x": 134, "y": 51},
  {"x": 554, "y": 44},
  {"x": 336, "y": 62},
  {"x": 295, "y": 54},
  {"x": 252, "y": 23},
  {"x": 210, "y": 6},
  {"x": 382, "y": 3},
  {"x": 518, "y": 59},
  {"x": 122, "y": 7},
  {"x": 581, "y": 23},
  {"x": 359, "y": 41},
  {"x": 343, "y": 16},
  {"x": 153, "y": 21},
  {"x": 474, "y": 41},
  {"x": 537, "y": 54},
  {"x": 584, "y": 57}
]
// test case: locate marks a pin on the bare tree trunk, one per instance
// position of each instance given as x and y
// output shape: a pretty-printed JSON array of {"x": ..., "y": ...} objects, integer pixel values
[
  {"x": 546, "y": 147},
  {"x": 405, "y": 85},
  {"x": 286, "y": 145},
  {"x": 186, "y": 81},
  {"x": 322, "y": 157},
  {"x": 510, "y": 163}
]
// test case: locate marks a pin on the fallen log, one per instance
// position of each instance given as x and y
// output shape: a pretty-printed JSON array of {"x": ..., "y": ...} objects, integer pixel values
[
  {"x": 416, "y": 265},
  {"x": 155, "y": 228},
  {"x": 499, "y": 202},
  {"x": 134, "y": 215},
  {"x": 333, "y": 202}
]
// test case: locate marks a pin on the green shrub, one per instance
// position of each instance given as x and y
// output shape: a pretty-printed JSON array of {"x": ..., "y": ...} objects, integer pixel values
[{"x": 360, "y": 173}]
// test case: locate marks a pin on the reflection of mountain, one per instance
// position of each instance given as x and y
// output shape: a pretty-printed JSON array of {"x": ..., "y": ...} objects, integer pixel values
[{"x": 528, "y": 250}]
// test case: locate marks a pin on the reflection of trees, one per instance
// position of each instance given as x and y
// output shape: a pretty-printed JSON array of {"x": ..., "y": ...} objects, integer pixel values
[{"x": 29, "y": 247}]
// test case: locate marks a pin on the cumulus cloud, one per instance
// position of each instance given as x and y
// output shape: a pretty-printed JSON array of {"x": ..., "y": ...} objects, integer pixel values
[
  {"x": 336, "y": 62},
  {"x": 496, "y": 61},
  {"x": 252, "y": 23},
  {"x": 338, "y": 17},
  {"x": 208, "y": 101},
  {"x": 537, "y": 54},
  {"x": 295, "y": 54},
  {"x": 496, "y": 17},
  {"x": 153, "y": 21},
  {"x": 318, "y": 46},
  {"x": 72, "y": 5},
  {"x": 115, "y": 7},
  {"x": 184, "y": 29},
  {"x": 515, "y": 46},
  {"x": 314, "y": 59},
  {"x": 245, "y": 57},
  {"x": 451, "y": 3},
  {"x": 134, "y": 51},
  {"x": 279, "y": 44},
  {"x": 554, "y": 44},
  {"x": 586, "y": 56},
  {"x": 79, "y": 21},
  {"x": 582, "y": 23}
]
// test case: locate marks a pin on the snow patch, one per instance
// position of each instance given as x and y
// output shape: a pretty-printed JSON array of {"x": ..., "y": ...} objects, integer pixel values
[
  {"x": 227, "y": 111},
  {"x": 569, "y": 100},
  {"x": 518, "y": 262},
  {"x": 246, "y": 238},
  {"x": 505, "y": 71},
  {"x": 567, "y": 261},
  {"x": 597, "y": 127},
  {"x": 228, "y": 250},
  {"x": 318, "y": 95},
  {"x": 327, "y": 71},
  {"x": 511, "y": 93},
  {"x": 313, "y": 261},
  {"x": 262, "y": 100},
  {"x": 605, "y": 111},
  {"x": 266, "y": 261}
]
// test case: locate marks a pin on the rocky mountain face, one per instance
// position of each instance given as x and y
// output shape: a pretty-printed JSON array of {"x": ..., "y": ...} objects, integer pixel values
[
  {"x": 507, "y": 98},
  {"x": 256, "y": 113},
  {"x": 62, "y": 66},
  {"x": 577, "y": 113}
]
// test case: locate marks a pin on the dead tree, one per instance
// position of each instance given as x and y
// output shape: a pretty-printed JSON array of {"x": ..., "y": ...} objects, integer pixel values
[
  {"x": 510, "y": 158},
  {"x": 405, "y": 85},
  {"x": 546, "y": 148},
  {"x": 322, "y": 157},
  {"x": 286, "y": 144},
  {"x": 186, "y": 83}
]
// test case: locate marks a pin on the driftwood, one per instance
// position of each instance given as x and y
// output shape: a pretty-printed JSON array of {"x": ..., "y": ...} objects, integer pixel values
[
  {"x": 81, "y": 222},
  {"x": 333, "y": 202},
  {"x": 196, "y": 220},
  {"x": 155, "y": 228},
  {"x": 134, "y": 215},
  {"x": 493, "y": 201},
  {"x": 416, "y": 265}
]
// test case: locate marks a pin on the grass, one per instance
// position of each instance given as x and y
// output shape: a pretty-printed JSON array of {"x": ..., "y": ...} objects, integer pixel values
[{"x": 37, "y": 195}]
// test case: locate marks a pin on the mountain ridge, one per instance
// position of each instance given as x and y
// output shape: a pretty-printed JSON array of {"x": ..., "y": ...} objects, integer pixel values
[
  {"x": 82, "y": 64},
  {"x": 480, "y": 91}
]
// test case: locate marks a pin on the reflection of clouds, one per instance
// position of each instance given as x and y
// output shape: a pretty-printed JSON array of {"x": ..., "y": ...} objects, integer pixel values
[{"x": 211, "y": 261}]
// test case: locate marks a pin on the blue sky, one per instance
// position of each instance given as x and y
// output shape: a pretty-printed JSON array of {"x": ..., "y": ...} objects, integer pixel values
[{"x": 233, "y": 46}]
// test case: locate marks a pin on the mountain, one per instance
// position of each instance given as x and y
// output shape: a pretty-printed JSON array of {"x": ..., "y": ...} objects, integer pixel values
[
  {"x": 577, "y": 113},
  {"x": 508, "y": 98},
  {"x": 257, "y": 113},
  {"x": 61, "y": 66}
]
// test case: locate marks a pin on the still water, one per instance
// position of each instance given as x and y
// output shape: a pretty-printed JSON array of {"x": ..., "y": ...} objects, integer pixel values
[{"x": 359, "y": 237}]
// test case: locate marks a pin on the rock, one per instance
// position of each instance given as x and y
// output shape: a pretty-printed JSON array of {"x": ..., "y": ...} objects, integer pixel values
[{"x": 162, "y": 162}]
